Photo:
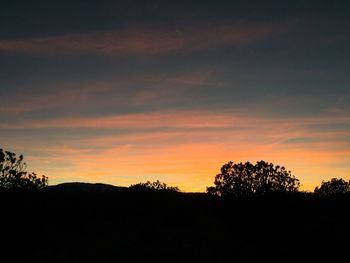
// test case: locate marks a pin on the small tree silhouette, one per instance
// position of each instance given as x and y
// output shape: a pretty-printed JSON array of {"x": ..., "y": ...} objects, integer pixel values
[
  {"x": 13, "y": 174},
  {"x": 333, "y": 187},
  {"x": 157, "y": 185},
  {"x": 245, "y": 179}
]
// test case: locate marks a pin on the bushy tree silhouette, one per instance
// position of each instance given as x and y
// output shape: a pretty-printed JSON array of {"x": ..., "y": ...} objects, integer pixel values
[
  {"x": 13, "y": 174},
  {"x": 333, "y": 187},
  {"x": 245, "y": 179},
  {"x": 157, "y": 185}
]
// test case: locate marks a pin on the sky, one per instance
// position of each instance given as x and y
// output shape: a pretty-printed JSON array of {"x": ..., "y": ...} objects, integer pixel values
[{"x": 122, "y": 92}]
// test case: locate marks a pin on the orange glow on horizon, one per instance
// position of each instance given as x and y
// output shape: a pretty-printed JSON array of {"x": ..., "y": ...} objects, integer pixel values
[{"x": 187, "y": 151}]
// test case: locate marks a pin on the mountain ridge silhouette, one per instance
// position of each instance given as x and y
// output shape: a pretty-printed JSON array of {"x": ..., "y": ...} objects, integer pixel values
[{"x": 85, "y": 187}]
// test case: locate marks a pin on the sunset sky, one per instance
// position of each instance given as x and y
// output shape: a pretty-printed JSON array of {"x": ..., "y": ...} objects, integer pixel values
[{"x": 122, "y": 92}]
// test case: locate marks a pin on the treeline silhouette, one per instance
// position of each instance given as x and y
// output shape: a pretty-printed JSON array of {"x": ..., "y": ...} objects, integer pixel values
[
  {"x": 270, "y": 220},
  {"x": 151, "y": 186},
  {"x": 13, "y": 174},
  {"x": 234, "y": 179}
]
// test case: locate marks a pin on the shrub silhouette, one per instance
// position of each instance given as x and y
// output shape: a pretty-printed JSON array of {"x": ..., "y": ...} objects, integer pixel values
[
  {"x": 245, "y": 179},
  {"x": 13, "y": 174},
  {"x": 333, "y": 187},
  {"x": 157, "y": 185}
]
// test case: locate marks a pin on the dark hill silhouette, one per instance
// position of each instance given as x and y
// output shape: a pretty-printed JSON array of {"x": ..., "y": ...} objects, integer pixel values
[
  {"x": 78, "y": 222},
  {"x": 78, "y": 187}
]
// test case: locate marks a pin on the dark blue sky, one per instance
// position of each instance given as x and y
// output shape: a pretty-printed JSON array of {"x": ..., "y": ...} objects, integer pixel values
[{"x": 86, "y": 78}]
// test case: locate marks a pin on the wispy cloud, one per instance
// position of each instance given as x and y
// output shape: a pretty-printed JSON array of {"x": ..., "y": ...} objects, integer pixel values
[
  {"x": 178, "y": 119},
  {"x": 145, "y": 40},
  {"x": 123, "y": 92}
]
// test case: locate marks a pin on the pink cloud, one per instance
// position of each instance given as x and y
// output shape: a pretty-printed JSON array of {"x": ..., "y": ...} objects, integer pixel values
[
  {"x": 145, "y": 40},
  {"x": 180, "y": 119}
]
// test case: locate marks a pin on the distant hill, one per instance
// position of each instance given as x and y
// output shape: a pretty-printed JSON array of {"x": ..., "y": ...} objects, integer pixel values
[
  {"x": 79, "y": 187},
  {"x": 84, "y": 222}
]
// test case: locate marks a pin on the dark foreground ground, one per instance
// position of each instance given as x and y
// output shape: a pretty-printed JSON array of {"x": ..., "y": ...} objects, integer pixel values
[{"x": 60, "y": 225}]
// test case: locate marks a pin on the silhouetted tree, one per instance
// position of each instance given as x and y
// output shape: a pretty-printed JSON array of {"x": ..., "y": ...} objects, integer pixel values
[
  {"x": 157, "y": 185},
  {"x": 13, "y": 174},
  {"x": 245, "y": 179},
  {"x": 333, "y": 187}
]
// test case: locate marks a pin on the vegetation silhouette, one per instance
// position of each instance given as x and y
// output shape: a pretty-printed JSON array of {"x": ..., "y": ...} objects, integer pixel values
[
  {"x": 246, "y": 179},
  {"x": 333, "y": 187},
  {"x": 13, "y": 174},
  {"x": 156, "y": 185},
  {"x": 82, "y": 222}
]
